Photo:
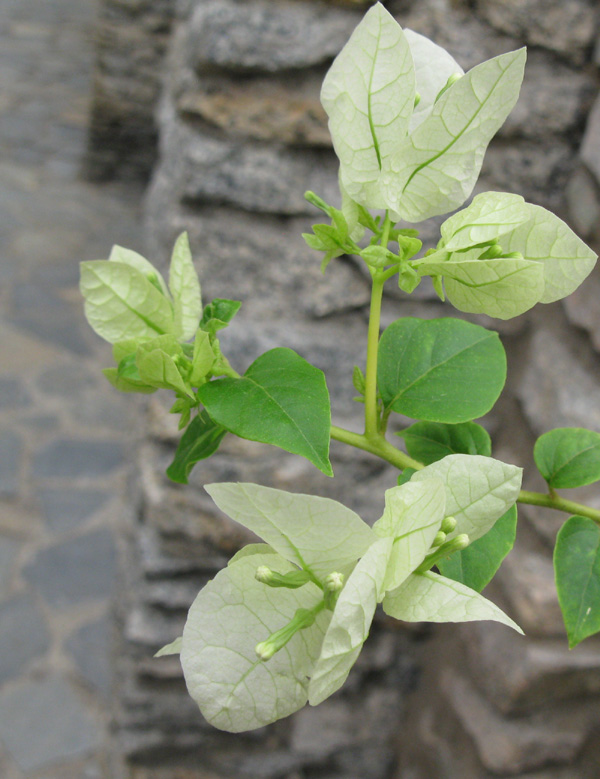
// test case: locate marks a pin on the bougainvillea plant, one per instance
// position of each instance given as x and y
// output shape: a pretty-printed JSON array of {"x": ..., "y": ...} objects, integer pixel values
[{"x": 284, "y": 622}]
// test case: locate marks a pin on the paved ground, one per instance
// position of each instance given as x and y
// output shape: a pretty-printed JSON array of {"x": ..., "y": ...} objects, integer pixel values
[{"x": 65, "y": 436}]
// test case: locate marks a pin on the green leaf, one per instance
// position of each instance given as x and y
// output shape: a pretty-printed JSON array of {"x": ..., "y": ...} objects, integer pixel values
[
  {"x": 232, "y": 614},
  {"x": 218, "y": 314},
  {"x": 174, "y": 648},
  {"x": 412, "y": 517},
  {"x": 568, "y": 457},
  {"x": 577, "y": 572},
  {"x": 479, "y": 490},
  {"x": 120, "y": 302},
  {"x": 433, "y": 68},
  {"x": 126, "y": 385},
  {"x": 135, "y": 260},
  {"x": 156, "y": 366},
  {"x": 476, "y": 565},
  {"x": 503, "y": 287},
  {"x": 280, "y": 400},
  {"x": 434, "y": 170},
  {"x": 565, "y": 259},
  {"x": 428, "y": 597},
  {"x": 317, "y": 534},
  {"x": 185, "y": 289},
  {"x": 489, "y": 216},
  {"x": 351, "y": 212},
  {"x": 428, "y": 442},
  {"x": 200, "y": 440},
  {"x": 350, "y": 624},
  {"x": 441, "y": 370},
  {"x": 124, "y": 348},
  {"x": 203, "y": 358},
  {"x": 405, "y": 476},
  {"x": 368, "y": 94}
]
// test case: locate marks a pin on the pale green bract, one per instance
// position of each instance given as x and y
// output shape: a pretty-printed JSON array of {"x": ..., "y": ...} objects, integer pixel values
[
  {"x": 552, "y": 260},
  {"x": 316, "y": 534},
  {"x": 233, "y": 688},
  {"x": 185, "y": 289},
  {"x": 234, "y": 613},
  {"x": 126, "y": 298}
]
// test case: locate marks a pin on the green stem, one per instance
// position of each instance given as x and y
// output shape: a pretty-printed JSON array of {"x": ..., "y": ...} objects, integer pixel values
[
  {"x": 559, "y": 504},
  {"x": 382, "y": 448},
  {"x": 376, "y": 445},
  {"x": 371, "y": 409}
]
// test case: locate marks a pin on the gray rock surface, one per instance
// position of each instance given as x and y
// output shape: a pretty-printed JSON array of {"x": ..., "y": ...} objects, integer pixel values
[{"x": 24, "y": 635}]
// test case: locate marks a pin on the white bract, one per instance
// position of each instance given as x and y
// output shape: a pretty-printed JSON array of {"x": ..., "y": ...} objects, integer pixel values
[{"x": 284, "y": 623}]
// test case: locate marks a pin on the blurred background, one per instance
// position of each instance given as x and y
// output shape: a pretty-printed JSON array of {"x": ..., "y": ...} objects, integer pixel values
[{"x": 128, "y": 121}]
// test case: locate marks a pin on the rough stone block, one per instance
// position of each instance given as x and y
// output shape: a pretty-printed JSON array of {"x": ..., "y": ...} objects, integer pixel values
[
  {"x": 24, "y": 635},
  {"x": 51, "y": 710},
  {"x": 548, "y": 403},
  {"x": 90, "y": 648},
  {"x": 11, "y": 452},
  {"x": 65, "y": 510},
  {"x": 567, "y": 27},
  {"x": 590, "y": 148},
  {"x": 75, "y": 571},
  {"x": 583, "y": 202},
  {"x": 513, "y": 746},
  {"x": 527, "y": 579},
  {"x": 520, "y": 675},
  {"x": 72, "y": 459},
  {"x": 265, "y": 109},
  {"x": 582, "y": 307},
  {"x": 260, "y": 36}
]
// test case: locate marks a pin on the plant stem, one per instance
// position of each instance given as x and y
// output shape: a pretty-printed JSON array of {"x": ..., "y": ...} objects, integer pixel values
[
  {"x": 382, "y": 448},
  {"x": 559, "y": 504},
  {"x": 376, "y": 445},
  {"x": 371, "y": 409}
]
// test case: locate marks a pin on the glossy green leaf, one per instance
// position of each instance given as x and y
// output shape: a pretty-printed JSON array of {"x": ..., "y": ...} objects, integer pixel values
[
  {"x": 489, "y": 216},
  {"x": 120, "y": 302},
  {"x": 428, "y": 442},
  {"x": 412, "y": 517},
  {"x": 504, "y": 287},
  {"x": 429, "y": 597},
  {"x": 435, "y": 169},
  {"x": 568, "y": 457},
  {"x": 203, "y": 358},
  {"x": 126, "y": 385},
  {"x": 232, "y": 614},
  {"x": 218, "y": 314},
  {"x": 351, "y": 622},
  {"x": 317, "y": 534},
  {"x": 200, "y": 440},
  {"x": 185, "y": 289},
  {"x": 479, "y": 490},
  {"x": 565, "y": 259},
  {"x": 476, "y": 565},
  {"x": 441, "y": 370},
  {"x": 368, "y": 95},
  {"x": 280, "y": 400},
  {"x": 433, "y": 68},
  {"x": 577, "y": 572}
]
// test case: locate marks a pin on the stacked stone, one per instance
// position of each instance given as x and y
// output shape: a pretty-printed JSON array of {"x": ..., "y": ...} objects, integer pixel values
[
  {"x": 130, "y": 38},
  {"x": 242, "y": 135}
]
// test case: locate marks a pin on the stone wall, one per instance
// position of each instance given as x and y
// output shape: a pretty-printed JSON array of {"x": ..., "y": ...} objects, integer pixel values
[{"x": 242, "y": 135}]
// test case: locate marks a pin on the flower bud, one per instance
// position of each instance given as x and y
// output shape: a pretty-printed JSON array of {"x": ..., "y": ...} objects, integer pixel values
[
  {"x": 439, "y": 539},
  {"x": 448, "y": 524}
]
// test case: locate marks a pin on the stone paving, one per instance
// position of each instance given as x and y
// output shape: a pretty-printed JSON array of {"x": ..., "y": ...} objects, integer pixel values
[{"x": 65, "y": 436}]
